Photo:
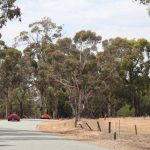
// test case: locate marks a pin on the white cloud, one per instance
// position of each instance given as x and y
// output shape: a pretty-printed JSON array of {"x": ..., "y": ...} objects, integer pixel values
[{"x": 108, "y": 17}]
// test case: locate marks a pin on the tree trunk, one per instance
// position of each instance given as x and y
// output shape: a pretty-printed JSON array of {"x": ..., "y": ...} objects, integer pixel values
[
  {"x": 109, "y": 110},
  {"x": 55, "y": 112},
  {"x": 113, "y": 111},
  {"x": 21, "y": 110},
  {"x": 10, "y": 108},
  {"x": 78, "y": 111},
  {"x": 8, "y": 103},
  {"x": 137, "y": 106},
  {"x": 42, "y": 103},
  {"x": 56, "y": 108},
  {"x": 6, "y": 108},
  {"x": 77, "y": 118}
]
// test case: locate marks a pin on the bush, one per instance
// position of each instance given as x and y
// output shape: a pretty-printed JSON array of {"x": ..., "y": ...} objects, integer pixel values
[{"x": 126, "y": 111}]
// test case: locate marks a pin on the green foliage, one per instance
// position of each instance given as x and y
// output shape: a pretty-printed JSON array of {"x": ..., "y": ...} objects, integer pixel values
[
  {"x": 86, "y": 39},
  {"x": 67, "y": 77},
  {"x": 126, "y": 111},
  {"x": 64, "y": 109},
  {"x": 8, "y": 11},
  {"x": 145, "y": 2}
]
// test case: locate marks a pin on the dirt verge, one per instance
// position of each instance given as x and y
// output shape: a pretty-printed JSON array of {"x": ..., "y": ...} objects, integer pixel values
[{"x": 124, "y": 127}]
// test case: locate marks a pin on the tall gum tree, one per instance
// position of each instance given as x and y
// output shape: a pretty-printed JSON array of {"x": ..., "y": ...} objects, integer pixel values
[
  {"x": 76, "y": 69},
  {"x": 39, "y": 42},
  {"x": 9, "y": 76},
  {"x": 136, "y": 67},
  {"x": 109, "y": 61},
  {"x": 133, "y": 71}
]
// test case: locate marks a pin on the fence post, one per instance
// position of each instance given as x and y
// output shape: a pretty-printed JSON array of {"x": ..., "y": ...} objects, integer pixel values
[
  {"x": 119, "y": 127},
  {"x": 109, "y": 127},
  {"x": 115, "y": 135},
  {"x": 89, "y": 126},
  {"x": 136, "y": 130},
  {"x": 99, "y": 127},
  {"x": 81, "y": 126}
]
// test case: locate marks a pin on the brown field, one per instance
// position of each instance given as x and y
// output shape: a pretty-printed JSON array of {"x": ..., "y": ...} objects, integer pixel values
[{"x": 126, "y": 137}]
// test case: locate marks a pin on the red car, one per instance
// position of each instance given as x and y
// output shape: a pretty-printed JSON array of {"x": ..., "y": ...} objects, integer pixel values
[
  {"x": 12, "y": 117},
  {"x": 46, "y": 116}
]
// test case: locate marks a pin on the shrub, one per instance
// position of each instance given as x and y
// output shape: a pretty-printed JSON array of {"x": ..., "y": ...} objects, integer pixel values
[{"x": 126, "y": 111}]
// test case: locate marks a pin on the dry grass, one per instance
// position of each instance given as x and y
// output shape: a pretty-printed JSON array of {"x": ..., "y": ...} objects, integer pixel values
[{"x": 127, "y": 140}]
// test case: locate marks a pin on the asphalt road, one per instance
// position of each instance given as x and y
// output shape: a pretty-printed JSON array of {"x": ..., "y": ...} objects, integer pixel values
[{"x": 24, "y": 136}]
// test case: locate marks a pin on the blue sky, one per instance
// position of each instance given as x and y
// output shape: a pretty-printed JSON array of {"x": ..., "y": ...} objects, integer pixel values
[{"x": 109, "y": 18}]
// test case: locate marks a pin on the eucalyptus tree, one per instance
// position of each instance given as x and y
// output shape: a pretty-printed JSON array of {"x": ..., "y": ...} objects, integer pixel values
[
  {"x": 24, "y": 92},
  {"x": 39, "y": 42},
  {"x": 109, "y": 68},
  {"x": 76, "y": 69},
  {"x": 108, "y": 81},
  {"x": 146, "y": 3},
  {"x": 132, "y": 74},
  {"x": 8, "y": 11},
  {"x": 135, "y": 71},
  {"x": 9, "y": 76}
]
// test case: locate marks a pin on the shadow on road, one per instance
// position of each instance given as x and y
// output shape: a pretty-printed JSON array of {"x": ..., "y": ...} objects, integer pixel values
[
  {"x": 5, "y": 145},
  {"x": 24, "y": 135}
]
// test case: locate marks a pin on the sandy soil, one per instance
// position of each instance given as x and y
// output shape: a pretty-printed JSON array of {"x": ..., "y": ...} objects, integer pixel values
[{"x": 125, "y": 128}]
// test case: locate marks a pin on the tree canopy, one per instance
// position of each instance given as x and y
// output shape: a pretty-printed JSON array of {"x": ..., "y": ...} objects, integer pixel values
[
  {"x": 79, "y": 76},
  {"x": 8, "y": 11}
]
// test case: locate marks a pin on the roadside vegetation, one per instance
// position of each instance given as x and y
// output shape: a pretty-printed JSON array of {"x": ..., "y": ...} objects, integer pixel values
[{"x": 66, "y": 77}]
